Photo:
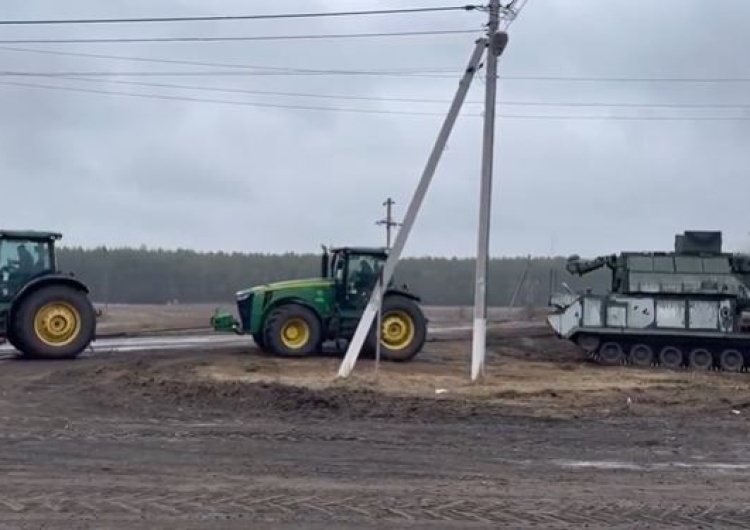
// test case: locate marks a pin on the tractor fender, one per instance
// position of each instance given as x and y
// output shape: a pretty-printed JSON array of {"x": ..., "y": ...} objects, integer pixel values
[
  {"x": 43, "y": 281},
  {"x": 289, "y": 301},
  {"x": 405, "y": 294}
]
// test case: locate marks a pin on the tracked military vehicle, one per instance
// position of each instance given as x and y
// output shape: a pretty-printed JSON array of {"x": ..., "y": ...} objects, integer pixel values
[{"x": 680, "y": 309}]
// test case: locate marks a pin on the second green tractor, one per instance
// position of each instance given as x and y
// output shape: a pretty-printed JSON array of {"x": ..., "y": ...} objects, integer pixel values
[{"x": 295, "y": 317}]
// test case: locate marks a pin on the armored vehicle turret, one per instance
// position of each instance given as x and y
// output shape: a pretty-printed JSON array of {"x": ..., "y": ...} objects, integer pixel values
[{"x": 676, "y": 309}]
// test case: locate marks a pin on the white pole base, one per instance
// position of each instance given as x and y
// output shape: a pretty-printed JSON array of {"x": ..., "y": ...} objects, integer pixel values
[{"x": 478, "y": 349}]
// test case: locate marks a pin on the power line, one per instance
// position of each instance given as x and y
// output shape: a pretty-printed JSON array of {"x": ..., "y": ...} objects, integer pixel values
[
  {"x": 217, "y": 18},
  {"x": 228, "y": 90},
  {"x": 627, "y": 79},
  {"x": 374, "y": 111},
  {"x": 124, "y": 40},
  {"x": 226, "y": 73},
  {"x": 433, "y": 73},
  {"x": 223, "y": 65},
  {"x": 354, "y": 97},
  {"x": 218, "y": 101},
  {"x": 162, "y": 60},
  {"x": 268, "y": 70},
  {"x": 408, "y": 72}
]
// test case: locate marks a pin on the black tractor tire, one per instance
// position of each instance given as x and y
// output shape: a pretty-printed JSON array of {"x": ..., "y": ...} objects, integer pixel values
[
  {"x": 259, "y": 341},
  {"x": 292, "y": 331},
  {"x": 404, "y": 330},
  {"x": 54, "y": 322},
  {"x": 13, "y": 340}
]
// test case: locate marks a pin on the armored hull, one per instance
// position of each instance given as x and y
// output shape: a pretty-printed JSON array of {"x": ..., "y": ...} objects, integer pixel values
[{"x": 674, "y": 309}]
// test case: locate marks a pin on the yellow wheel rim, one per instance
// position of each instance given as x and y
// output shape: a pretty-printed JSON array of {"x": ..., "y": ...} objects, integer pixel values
[
  {"x": 57, "y": 324},
  {"x": 397, "y": 331},
  {"x": 295, "y": 333}
]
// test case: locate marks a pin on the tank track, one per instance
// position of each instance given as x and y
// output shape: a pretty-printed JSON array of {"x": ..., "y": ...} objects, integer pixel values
[{"x": 672, "y": 356}]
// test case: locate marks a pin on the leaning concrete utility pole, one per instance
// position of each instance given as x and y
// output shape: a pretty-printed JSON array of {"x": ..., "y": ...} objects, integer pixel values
[
  {"x": 366, "y": 321},
  {"x": 497, "y": 42}
]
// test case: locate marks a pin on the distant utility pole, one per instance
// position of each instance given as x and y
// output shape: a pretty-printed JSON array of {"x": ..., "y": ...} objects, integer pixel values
[
  {"x": 388, "y": 221},
  {"x": 524, "y": 277}
]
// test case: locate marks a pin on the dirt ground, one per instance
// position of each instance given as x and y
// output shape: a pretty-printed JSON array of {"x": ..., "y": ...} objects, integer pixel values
[{"x": 235, "y": 438}]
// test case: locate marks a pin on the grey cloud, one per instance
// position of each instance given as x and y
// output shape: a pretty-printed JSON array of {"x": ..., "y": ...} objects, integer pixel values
[{"x": 117, "y": 170}]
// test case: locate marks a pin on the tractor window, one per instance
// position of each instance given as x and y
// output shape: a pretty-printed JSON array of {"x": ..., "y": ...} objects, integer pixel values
[
  {"x": 20, "y": 260},
  {"x": 16, "y": 256},
  {"x": 363, "y": 272}
]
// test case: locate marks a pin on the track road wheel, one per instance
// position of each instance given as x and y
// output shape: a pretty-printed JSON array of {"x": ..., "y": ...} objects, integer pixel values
[
  {"x": 611, "y": 353},
  {"x": 403, "y": 330},
  {"x": 292, "y": 331},
  {"x": 54, "y": 322},
  {"x": 700, "y": 359},
  {"x": 670, "y": 357},
  {"x": 641, "y": 355},
  {"x": 731, "y": 361}
]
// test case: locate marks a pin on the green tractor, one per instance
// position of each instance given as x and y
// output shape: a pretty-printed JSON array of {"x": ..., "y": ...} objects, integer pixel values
[
  {"x": 44, "y": 313},
  {"x": 295, "y": 318}
]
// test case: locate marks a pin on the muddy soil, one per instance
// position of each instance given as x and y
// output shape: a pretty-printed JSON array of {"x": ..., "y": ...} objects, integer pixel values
[{"x": 237, "y": 439}]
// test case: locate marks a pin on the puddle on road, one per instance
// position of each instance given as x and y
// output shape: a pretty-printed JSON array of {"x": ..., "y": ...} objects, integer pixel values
[{"x": 657, "y": 466}]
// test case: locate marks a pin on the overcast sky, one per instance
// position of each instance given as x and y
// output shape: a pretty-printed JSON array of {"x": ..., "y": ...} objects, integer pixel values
[{"x": 119, "y": 170}]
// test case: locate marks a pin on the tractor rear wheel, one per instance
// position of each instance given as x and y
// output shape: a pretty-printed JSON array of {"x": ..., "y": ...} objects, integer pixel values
[
  {"x": 54, "y": 322},
  {"x": 403, "y": 330},
  {"x": 292, "y": 331}
]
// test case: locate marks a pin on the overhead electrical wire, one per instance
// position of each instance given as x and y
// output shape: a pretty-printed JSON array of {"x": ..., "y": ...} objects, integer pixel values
[
  {"x": 371, "y": 111},
  {"x": 397, "y": 72},
  {"x": 243, "y": 66},
  {"x": 211, "y": 64},
  {"x": 227, "y": 73},
  {"x": 604, "y": 79},
  {"x": 354, "y": 97},
  {"x": 218, "y": 18},
  {"x": 250, "y": 38},
  {"x": 219, "y": 101},
  {"x": 240, "y": 66},
  {"x": 270, "y": 70}
]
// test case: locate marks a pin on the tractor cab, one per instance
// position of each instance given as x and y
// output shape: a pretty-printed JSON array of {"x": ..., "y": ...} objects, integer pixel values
[
  {"x": 355, "y": 271},
  {"x": 44, "y": 313},
  {"x": 24, "y": 256}
]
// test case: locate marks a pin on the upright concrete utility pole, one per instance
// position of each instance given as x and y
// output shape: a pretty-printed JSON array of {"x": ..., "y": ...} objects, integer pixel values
[
  {"x": 388, "y": 221},
  {"x": 497, "y": 43},
  {"x": 369, "y": 314}
]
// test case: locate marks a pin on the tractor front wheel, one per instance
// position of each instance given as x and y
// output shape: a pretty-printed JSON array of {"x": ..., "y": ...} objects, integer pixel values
[
  {"x": 259, "y": 341},
  {"x": 292, "y": 331},
  {"x": 54, "y": 322},
  {"x": 403, "y": 330}
]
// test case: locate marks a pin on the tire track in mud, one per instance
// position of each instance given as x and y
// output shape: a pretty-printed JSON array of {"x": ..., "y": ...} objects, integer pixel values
[{"x": 286, "y": 505}]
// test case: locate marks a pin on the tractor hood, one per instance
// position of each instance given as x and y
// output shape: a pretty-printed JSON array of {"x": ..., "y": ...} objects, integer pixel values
[{"x": 305, "y": 283}]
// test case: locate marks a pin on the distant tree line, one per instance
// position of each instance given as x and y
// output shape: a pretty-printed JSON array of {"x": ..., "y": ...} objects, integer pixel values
[{"x": 141, "y": 275}]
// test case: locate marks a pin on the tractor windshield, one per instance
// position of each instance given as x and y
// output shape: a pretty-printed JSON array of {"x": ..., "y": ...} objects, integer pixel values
[
  {"x": 363, "y": 272},
  {"x": 21, "y": 260}
]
